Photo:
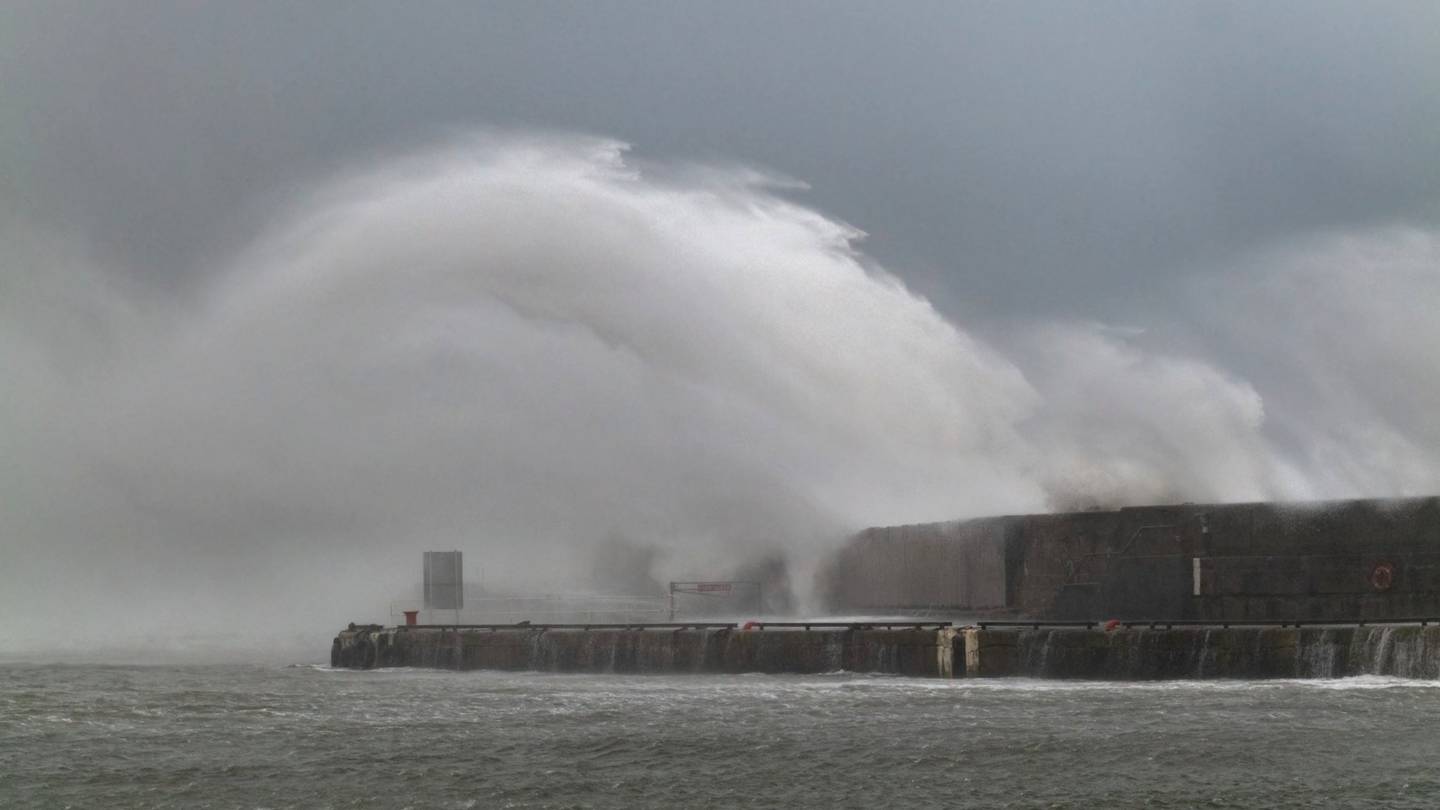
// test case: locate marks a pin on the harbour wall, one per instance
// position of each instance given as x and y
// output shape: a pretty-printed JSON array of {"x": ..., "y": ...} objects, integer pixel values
[
  {"x": 908, "y": 651},
  {"x": 1335, "y": 561},
  {"x": 1122, "y": 653},
  {"x": 1407, "y": 651}
]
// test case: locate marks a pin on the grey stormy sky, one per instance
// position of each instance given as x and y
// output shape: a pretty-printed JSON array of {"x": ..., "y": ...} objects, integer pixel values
[
  {"x": 290, "y": 292},
  {"x": 1031, "y": 158}
]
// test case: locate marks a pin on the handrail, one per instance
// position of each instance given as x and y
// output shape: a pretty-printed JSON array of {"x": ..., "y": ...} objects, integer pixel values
[
  {"x": 1423, "y": 621},
  {"x": 1034, "y": 625},
  {"x": 681, "y": 626},
  {"x": 851, "y": 625},
  {"x": 537, "y": 626},
  {"x": 1154, "y": 624}
]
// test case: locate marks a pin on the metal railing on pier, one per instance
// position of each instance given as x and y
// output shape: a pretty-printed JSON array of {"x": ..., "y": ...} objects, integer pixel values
[
  {"x": 688, "y": 626},
  {"x": 1167, "y": 624},
  {"x": 850, "y": 625},
  {"x": 613, "y": 626},
  {"x": 1009, "y": 624}
]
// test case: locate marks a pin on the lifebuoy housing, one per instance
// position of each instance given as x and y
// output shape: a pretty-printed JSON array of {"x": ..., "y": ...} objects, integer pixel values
[{"x": 1382, "y": 576}]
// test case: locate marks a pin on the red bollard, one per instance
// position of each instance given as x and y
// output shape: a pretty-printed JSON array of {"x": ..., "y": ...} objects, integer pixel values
[{"x": 412, "y": 618}]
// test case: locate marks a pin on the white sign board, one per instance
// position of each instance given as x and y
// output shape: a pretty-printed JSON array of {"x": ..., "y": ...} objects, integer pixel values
[{"x": 444, "y": 581}]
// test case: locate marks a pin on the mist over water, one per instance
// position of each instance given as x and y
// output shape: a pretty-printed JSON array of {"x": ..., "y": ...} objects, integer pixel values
[{"x": 527, "y": 346}]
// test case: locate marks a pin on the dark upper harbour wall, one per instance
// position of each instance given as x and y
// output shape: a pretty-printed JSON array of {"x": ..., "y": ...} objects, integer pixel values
[{"x": 1333, "y": 560}]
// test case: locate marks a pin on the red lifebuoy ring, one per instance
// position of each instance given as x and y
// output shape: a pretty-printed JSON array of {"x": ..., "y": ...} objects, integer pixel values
[
  {"x": 1382, "y": 577},
  {"x": 1111, "y": 625}
]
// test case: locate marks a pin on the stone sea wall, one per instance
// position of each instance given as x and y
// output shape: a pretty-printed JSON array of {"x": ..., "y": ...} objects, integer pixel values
[
  {"x": 913, "y": 652},
  {"x": 1141, "y": 653},
  {"x": 1408, "y": 651}
]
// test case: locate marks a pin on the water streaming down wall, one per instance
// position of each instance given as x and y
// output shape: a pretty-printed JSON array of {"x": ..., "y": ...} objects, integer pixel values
[
  {"x": 1212, "y": 652},
  {"x": 1141, "y": 653},
  {"x": 658, "y": 650}
]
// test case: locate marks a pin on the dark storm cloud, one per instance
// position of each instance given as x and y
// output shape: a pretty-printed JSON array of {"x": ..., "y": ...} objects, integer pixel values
[{"x": 1035, "y": 157}]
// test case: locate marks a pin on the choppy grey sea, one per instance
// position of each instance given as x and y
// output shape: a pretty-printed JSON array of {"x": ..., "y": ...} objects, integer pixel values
[{"x": 87, "y": 736}]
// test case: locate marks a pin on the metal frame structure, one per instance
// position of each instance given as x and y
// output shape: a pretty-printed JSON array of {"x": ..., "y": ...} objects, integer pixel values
[{"x": 717, "y": 588}]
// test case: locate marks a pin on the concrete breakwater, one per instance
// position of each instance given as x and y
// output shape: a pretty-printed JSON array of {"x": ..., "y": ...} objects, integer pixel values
[
  {"x": 691, "y": 649},
  {"x": 1124, "y": 653},
  {"x": 1332, "y": 651}
]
